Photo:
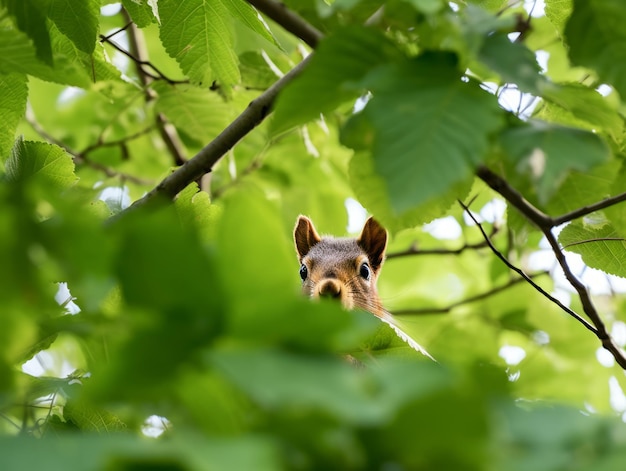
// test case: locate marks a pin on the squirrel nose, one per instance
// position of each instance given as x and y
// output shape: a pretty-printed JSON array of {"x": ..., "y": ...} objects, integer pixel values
[{"x": 330, "y": 289}]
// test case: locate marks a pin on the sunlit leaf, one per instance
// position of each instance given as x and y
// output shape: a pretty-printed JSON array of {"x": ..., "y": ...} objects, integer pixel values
[
  {"x": 600, "y": 245},
  {"x": 597, "y": 40},
  {"x": 30, "y": 17},
  {"x": 339, "y": 62},
  {"x": 46, "y": 164},
  {"x": 13, "y": 94},
  {"x": 431, "y": 129},
  {"x": 78, "y": 20},
  {"x": 547, "y": 153},
  {"x": 196, "y": 33}
]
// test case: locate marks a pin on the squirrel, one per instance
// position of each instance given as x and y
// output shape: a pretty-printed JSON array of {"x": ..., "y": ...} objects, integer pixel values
[{"x": 346, "y": 269}]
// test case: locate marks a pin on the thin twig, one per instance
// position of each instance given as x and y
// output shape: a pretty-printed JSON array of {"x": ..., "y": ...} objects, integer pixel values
[
  {"x": 580, "y": 212},
  {"x": 139, "y": 49},
  {"x": 478, "y": 297},
  {"x": 204, "y": 160},
  {"x": 117, "y": 142},
  {"x": 141, "y": 63},
  {"x": 546, "y": 224},
  {"x": 526, "y": 277},
  {"x": 415, "y": 250}
]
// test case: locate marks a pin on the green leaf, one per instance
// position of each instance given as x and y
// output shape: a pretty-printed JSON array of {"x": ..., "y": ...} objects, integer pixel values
[
  {"x": 244, "y": 12},
  {"x": 587, "y": 105},
  {"x": 13, "y": 95},
  {"x": 279, "y": 380},
  {"x": 513, "y": 61},
  {"x": 197, "y": 34},
  {"x": 431, "y": 129},
  {"x": 72, "y": 67},
  {"x": 599, "y": 244},
  {"x": 584, "y": 188},
  {"x": 549, "y": 152},
  {"x": 195, "y": 210},
  {"x": 140, "y": 11},
  {"x": 78, "y": 20},
  {"x": 371, "y": 190},
  {"x": 46, "y": 164},
  {"x": 128, "y": 452},
  {"x": 328, "y": 81},
  {"x": 558, "y": 11},
  {"x": 597, "y": 39},
  {"x": 197, "y": 112},
  {"x": 30, "y": 16},
  {"x": 90, "y": 419}
]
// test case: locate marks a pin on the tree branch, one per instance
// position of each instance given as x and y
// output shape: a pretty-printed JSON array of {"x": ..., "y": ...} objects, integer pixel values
[
  {"x": 289, "y": 20},
  {"x": 580, "y": 212},
  {"x": 139, "y": 50},
  {"x": 526, "y": 277},
  {"x": 478, "y": 297},
  {"x": 546, "y": 224},
  {"x": 204, "y": 160},
  {"x": 415, "y": 250}
]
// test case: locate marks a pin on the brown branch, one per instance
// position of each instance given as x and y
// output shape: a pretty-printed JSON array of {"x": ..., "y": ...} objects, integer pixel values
[
  {"x": 580, "y": 212},
  {"x": 81, "y": 157},
  {"x": 526, "y": 277},
  {"x": 289, "y": 20},
  {"x": 168, "y": 132},
  {"x": 204, "y": 160},
  {"x": 415, "y": 250},
  {"x": 141, "y": 62},
  {"x": 478, "y": 297},
  {"x": 546, "y": 224},
  {"x": 114, "y": 143}
]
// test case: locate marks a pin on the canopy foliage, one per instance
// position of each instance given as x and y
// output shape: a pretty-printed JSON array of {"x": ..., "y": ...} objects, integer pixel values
[{"x": 221, "y": 120}]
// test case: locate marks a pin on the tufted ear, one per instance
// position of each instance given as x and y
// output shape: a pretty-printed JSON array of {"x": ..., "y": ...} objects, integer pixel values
[
  {"x": 305, "y": 236},
  {"x": 373, "y": 240}
]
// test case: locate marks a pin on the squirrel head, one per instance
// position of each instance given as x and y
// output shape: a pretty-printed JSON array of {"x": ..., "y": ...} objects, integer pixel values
[{"x": 342, "y": 268}]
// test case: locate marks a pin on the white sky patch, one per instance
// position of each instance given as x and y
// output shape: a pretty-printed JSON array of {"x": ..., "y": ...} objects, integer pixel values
[
  {"x": 604, "y": 90},
  {"x": 512, "y": 354},
  {"x": 69, "y": 94},
  {"x": 48, "y": 364},
  {"x": 542, "y": 59},
  {"x": 541, "y": 337},
  {"x": 446, "y": 228},
  {"x": 537, "y": 162},
  {"x": 154, "y": 426},
  {"x": 618, "y": 332},
  {"x": 360, "y": 102},
  {"x": 604, "y": 357},
  {"x": 115, "y": 197},
  {"x": 34, "y": 367},
  {"x": 111, "y": 9},
  {"x": 468, "y": 220},
  {"x": 356, "y": 215},
  {"x": 617, "y": 399},
  {"x": 65, "y": 299},
  {"x": 535, "y": 8},
  {"x": 493, "y": 211}
]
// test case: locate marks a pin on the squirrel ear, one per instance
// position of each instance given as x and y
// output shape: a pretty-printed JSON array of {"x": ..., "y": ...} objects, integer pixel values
[
  {"x": 373, "y": 240},
  {"x": 305, "y": 236}
]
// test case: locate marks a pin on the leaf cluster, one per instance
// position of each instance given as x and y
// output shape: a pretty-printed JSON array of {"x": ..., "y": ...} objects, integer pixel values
[{"x": 222, "y": 121}]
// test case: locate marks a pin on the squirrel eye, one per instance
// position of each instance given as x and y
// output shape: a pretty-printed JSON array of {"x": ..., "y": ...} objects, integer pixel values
[
  {"x": 303, "y": 272},
  {"x": 364, "y": 271}
]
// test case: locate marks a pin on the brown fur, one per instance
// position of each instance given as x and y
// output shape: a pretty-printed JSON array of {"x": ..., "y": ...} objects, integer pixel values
[{"x": 334, "y": 265}]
